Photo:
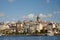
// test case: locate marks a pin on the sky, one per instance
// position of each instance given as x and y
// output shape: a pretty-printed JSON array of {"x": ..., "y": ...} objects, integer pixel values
[{"x": 13, "y": 10}]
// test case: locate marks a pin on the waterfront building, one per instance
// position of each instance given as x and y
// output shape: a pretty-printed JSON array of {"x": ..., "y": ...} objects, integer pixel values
[
  {"x": 1, "y": 27},
  {"x": 58, "y": 26},
  {"x": 39, "y": 27}
]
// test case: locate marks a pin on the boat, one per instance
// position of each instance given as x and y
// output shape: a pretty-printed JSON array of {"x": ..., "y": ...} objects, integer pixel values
[
  {"x": 50, "y": 33},
  {"x": 57, "y": 33}
]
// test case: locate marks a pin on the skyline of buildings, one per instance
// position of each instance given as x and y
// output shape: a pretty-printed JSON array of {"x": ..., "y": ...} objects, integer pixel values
[{"x": 30, "y": 27}]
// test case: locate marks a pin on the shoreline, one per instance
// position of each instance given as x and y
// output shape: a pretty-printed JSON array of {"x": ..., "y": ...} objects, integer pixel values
[
  {"x": 27, "y": 35},
  {"x": 30, "y": 35}
]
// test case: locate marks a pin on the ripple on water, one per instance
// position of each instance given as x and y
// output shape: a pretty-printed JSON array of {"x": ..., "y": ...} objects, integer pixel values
[{"x": 30, "y": 38}]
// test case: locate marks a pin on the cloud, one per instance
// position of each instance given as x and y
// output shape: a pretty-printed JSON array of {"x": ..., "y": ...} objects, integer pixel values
[
  {"x": 49, "y": 15},
  {"x": 2, "y": 14},
  {"x": 13, "y": 19},
  {"x": 55, "y": 12},
  {"x": 10, "y": 1},
  {"x": 45, "y": 16},
  {"x": 24, "y": 17},
  {"x": 29, "y": 16},
  {"x": 47, "y": 1},
  {"x": 42, "y": 15}
]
